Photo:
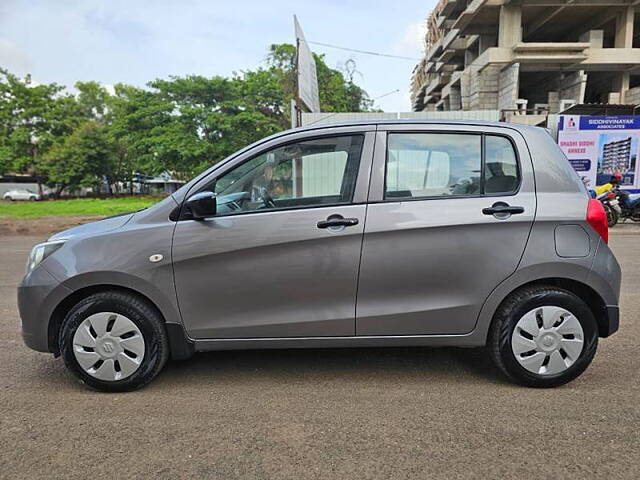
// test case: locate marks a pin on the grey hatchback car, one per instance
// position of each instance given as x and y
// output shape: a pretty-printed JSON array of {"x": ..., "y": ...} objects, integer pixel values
[{"x": 353, "y": 235}]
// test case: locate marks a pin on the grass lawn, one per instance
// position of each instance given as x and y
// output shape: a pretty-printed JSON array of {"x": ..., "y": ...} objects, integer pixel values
[{"x": 80, "y": 206}]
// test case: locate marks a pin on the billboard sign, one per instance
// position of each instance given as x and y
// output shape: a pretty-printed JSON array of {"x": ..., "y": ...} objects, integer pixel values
[
  {"x": 598, "y": 146},
  {"x": 307, "y": 78}
]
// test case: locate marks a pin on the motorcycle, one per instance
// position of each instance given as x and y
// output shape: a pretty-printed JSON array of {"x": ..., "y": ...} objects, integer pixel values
[
  {"x": 611, "y": 204},
  {"x": 628, "y": 205}
]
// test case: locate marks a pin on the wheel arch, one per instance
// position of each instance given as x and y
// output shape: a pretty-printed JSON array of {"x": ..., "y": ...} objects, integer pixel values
[
  {"x": 180, "y": 345},
  {"x": 587, "y": 294}
]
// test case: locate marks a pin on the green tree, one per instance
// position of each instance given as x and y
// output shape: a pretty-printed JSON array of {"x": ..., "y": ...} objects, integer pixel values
[
  {"x": 92, "y": 100},
  {"x": 31, "y": 118},
  {"x": 184, "y": 124},
  {"x": 335, "y": 92},
  {"x": 180, "y": 125},
  {"x": 153, "y": 134},
  {"x": 83, "y": 159},
  {"x": 223, "y": 113}
]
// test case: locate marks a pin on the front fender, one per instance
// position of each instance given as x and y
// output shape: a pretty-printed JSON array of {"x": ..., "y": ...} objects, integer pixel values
[
  {"x": 106, "y": 279},
  {"x": 136, "y": 257}
]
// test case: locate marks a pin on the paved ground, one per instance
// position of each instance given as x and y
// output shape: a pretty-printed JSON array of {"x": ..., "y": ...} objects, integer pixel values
[{"x": 372, "y": 413}]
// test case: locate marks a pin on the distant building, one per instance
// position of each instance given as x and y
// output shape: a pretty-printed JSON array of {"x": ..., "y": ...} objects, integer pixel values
[
  {"x": 163, "y": 183},
  {"x": 616, "y": 156},
  {"x": 528, "y": 56}
]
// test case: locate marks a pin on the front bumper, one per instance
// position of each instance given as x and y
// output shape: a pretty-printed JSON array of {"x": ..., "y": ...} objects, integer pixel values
[{"x": 38, "y": 295}]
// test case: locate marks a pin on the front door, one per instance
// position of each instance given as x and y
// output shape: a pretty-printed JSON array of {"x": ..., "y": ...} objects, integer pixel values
[
  {"x": 450, "y": 212},
  {"x": 281, "y": 257}
]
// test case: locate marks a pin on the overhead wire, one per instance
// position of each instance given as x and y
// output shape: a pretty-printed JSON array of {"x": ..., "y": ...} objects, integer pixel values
[
  {"x": 336, "y": 113},
  {"x": 366, "y": 52}
]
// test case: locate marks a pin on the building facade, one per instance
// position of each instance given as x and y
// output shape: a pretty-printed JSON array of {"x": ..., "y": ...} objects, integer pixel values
[
  {"x": 616, "y": 156},
  {"x": 528, "y": 56}
]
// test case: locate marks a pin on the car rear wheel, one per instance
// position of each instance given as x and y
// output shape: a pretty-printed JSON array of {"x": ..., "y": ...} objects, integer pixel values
[
  {"x": 114, "y": 341},
  {"x": 543, "y": 336},
  {"x": 8, "y": 198}
]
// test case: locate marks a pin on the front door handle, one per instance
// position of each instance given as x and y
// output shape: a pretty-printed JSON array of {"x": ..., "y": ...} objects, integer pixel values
[
  {"x": 337, "y": 221},
  {"x": 501, "y": 209}
]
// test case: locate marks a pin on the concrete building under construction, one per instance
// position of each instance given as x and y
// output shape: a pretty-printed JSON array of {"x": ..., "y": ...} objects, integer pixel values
[{"x": 531, "y": 57}]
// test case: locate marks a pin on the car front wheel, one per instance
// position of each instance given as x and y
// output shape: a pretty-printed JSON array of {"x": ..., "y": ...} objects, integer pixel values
[
  {"x": 114, "y": 341},
  {"x": 543, "y": 336}
]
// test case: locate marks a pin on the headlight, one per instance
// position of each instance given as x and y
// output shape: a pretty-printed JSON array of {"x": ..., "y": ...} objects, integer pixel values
[{"x": 42, "y": 251}]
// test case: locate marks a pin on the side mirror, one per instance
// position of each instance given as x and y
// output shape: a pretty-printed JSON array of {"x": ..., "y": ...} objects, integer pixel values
[{"x": 202, "y": 205}]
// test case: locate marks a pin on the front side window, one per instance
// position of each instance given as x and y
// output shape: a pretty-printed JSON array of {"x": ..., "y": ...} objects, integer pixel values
[
  {"x": 311, "y": 172},
  {"x": 424, "y": 165}
]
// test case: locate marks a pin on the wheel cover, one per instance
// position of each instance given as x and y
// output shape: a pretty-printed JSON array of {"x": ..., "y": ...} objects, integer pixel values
[
  {"x": 547, "y": 340},
  {"x": 108, "y": 346}
]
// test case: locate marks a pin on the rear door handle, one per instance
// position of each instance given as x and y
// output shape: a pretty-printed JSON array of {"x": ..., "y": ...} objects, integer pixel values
[
  {"x": 337, "y": 221},
  {"x": 502, "y": 209}
]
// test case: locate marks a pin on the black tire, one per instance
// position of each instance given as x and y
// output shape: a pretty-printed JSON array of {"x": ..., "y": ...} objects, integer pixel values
[
  {"x": 140, "y": 312},
  {"x": 8, "y": 199},
  {"x": 514, "y": 308},
  {"x": 612, "y": 216}
]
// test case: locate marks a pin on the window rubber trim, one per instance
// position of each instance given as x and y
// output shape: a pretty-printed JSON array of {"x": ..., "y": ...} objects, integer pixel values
[{"x": 451, "y": 197}]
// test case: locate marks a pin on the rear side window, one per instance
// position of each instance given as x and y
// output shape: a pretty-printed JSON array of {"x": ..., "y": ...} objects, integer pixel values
[
  {"x": 424, "y": 165},
  {"x": 433, "y": 165}
]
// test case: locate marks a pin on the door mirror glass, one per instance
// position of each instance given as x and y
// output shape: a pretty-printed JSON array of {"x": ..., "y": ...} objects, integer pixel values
[{"x": 202, "y": 205}]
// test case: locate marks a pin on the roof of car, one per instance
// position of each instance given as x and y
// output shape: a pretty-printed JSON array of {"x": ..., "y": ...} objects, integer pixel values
[{"x": 356, "y": 123}]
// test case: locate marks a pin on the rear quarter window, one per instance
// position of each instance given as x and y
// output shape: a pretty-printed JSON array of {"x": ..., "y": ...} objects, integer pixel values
[{"x": 501, "y": 174}]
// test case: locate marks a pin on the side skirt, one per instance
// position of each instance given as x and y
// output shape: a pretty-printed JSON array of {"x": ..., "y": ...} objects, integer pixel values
[{"x": 468, "y": 340}]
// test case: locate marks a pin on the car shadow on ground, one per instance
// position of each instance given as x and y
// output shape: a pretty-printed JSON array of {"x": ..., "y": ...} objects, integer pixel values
[
  {"x": 242, "y": 368},
  {"x": 471, "y": 365}
]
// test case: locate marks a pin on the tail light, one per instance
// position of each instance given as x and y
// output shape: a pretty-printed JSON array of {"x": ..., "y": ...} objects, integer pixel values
[{"x": 597, "y": 218}]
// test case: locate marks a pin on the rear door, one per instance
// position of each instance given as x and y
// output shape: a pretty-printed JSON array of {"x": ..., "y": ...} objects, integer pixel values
[
  {"x": 281, "y": 257},
  {"x": 450, "y": 210}
]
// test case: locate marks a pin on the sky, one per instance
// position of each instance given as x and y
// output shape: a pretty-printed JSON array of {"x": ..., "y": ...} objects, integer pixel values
[{"x": 136, "y": 41}]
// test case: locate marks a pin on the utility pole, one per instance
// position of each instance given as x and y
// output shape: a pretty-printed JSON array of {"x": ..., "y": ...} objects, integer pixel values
[
  {"x": 298, "y": 106},
  {"x": 297, "y": 162}
]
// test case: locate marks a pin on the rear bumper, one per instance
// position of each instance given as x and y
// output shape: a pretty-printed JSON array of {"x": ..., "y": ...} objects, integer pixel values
[
  {"x": 612, "y": 322},
  {"x": 605, "y": 277}
]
